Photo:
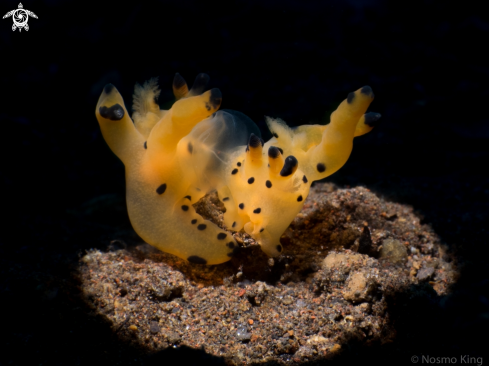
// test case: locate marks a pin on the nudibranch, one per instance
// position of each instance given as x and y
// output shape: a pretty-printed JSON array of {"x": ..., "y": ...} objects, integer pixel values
[{"x": 174, "y": 157}]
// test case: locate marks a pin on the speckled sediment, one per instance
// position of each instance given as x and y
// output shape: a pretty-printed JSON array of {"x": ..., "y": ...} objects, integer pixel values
[{"x": 344, "y": 256}]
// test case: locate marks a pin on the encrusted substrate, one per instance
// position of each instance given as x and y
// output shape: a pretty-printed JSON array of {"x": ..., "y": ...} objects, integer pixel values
[{"x": 346, "y": 255}]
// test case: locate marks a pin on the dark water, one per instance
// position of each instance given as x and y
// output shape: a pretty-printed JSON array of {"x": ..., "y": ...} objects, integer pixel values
[{"x": 63, "y": 190}]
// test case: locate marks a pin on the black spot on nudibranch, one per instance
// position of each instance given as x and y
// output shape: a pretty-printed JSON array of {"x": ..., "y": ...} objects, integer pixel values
[
  {"x": 201, "y": 226},
  {"x": 188, "y": 197},
  {"x": 257, "y": 211},
  {"x": 235, "y": 170},
  {"x": 239, "y": 164},
  {"x": 185, "y": 207},
  {"x": 279, "y": 248},
  {"x": 114, "y": 113},
  {"x": 299, "y": 199},
  {"x": 321, "y": 167},
  {"x": 268, "y": 184},
  {"x": 190, "y": 147},
  {"x": 241, "y": 205},
  {"x": 275, "y": 135},
  {"x": 161, "y": 189},
  {"x": 194, "y": 221},
  {"x": 225, "y": 199},
  {"x": 262, "y": 229},
  {"x": 234, "y": 224},
  {"x": 304, "y": 179},
  {"x": 145, "y": 144},
  {"x": 367, "y": 90},
  {"x": 221, "y": 236},
  {"x": 235, "y": 249},
  {"x": 251, "y": 180},
  {"x": 289, "y": 166},
  {"x": 350, "y": 98},
  {"x": 230, "y": 245},
  {"x": 371, "y": 118},
  {"x": 196, "y": 259}
]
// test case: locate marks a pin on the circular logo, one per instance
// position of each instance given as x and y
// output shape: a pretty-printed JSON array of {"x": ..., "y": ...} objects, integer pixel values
[{"x": 20, "y": 17}]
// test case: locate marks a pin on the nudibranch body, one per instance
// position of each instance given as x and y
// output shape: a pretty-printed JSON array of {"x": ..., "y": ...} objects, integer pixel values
[{"x": 174, "y": 157}]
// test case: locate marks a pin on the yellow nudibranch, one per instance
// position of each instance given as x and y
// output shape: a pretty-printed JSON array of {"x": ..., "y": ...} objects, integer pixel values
[{"x": 174, "y": 157}]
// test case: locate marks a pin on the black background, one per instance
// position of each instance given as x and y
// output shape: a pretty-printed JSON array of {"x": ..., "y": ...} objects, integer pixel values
[{"x": 63, "y": 190}]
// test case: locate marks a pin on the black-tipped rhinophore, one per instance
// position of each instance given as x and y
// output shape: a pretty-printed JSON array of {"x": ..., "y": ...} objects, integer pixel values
[
  {"x": 108, "y": 88},
  {"x": 255, "y": 148},
  {"x": 178, "y": 81},
  {"x": 290, "y": 166},
  {"x": 273, "y": 152},
  {"x": 114, "y": 113},
  {"x": 371, "y": 118},
  {"x": 255, "y": 141},
  {"x": 276, "y": 160},
  {"x": 367, "y": 90},
  {"x": 216, "y": 98},
  {"x": 180, "y": 88},
  {"x": 200, "y": 83}
]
